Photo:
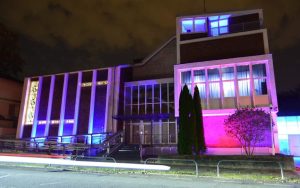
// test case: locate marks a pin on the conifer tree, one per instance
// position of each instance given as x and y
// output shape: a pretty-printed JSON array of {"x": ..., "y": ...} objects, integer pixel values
[{"x": 199, "y": 142}]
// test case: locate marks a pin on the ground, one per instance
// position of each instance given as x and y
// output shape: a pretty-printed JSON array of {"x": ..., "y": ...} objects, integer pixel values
[{"x": 30, "y": 177}]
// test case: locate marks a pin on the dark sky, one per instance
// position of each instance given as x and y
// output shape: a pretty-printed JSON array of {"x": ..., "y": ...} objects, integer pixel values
[{"x": 67, "y": 35}]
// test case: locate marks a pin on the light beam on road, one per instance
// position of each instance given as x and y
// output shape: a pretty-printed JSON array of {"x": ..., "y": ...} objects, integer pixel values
[{"x": 66, "y": 162}]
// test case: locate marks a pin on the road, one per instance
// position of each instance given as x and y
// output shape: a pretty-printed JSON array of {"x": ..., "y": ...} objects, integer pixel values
[{"x": 26, "y": 177}]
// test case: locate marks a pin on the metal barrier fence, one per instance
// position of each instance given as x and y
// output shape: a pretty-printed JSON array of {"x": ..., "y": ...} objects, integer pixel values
[
  {"x": 182, "y": 160},
  {"x": 36, "y": 146},
  {"x": 94, "y": 159},
  {"x": 250, "y": 161}
]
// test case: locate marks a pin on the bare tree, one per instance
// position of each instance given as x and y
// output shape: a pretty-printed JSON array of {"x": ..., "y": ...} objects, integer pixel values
[{"x": 248, "y": 126}]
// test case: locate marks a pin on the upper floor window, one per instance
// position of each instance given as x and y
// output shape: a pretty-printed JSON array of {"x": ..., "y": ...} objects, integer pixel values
[
  {"x": 189, "y": 25},
  {"x": 218, "y": 25}
]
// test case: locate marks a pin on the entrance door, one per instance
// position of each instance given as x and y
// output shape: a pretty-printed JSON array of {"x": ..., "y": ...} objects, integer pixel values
[{"x": 294, "y": 142}]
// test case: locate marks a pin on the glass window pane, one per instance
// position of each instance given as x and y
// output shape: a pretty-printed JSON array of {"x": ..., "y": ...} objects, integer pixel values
[
  {"x": 200, "y": 25},
  {"x": 149, "y": 109},
  {"x": 228, "y": 73},
  {"x": 164, "y": 92},
  {"x": 260, "y": 86},
  {"x": 214, "y": 24},
  {"x": 134, "y": 95},
  {"x": 187, "y": 26},
  {"x": 149, "y": 94},
  {"x": 128, "y": 95},
  {"x": 259, "y": 70},
  {"x": 172, "y": 132},
  {"x": 186, "y": 77},
  {"x": 134, "y": 109},
  {"x": 171, "y": 92},
  {"x": 202, "y": 90},
  {"x": 214, "y": 90},
  {"x": 164, "y": 108},
  {"x": 156, "y": 108},
  {"x": 142, "y": 109},
  {"x": 223, "y": 30},
  {"x": 165, "y": 132},
  {"x": 156, "y": 93},
  {"x": 142, "y": 95},
  {"x": 244, "y": 87},
  {"x": 199, "y": 76},
  {"x": 214, "y": 31},
  {"x": 213, "y": 75},
  {"x": 228, "y": 88},
  {"x": 243, "y": 72},
  {"x": 223, "y": 23}
]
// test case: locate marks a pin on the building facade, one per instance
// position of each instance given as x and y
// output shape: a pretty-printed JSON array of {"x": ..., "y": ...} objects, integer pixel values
[{"x": 226, "y": 55}]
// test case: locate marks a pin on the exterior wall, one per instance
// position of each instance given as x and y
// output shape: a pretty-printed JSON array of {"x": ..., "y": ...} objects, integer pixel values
[
  {"x": 215, "y": 135},
  {"x": 222, "y": 48},
  {"x": 10, "y": 99},
  {"x": 158, "y": 66},
  {"x": 77, "y": 103}
]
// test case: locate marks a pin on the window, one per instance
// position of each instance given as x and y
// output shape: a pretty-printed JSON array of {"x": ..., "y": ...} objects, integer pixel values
[
  {"x": 243, "y": 76},
  {"x": 186, "y": 78},
  {"x": 218, "y": 25},
  {"x": 228, "y": 81},
  {"x": 189, "y": 25},
  {"x": 259, "y": 78},
  {"x": 214, "y": 83},
  {"x": 199, "y": 79}
]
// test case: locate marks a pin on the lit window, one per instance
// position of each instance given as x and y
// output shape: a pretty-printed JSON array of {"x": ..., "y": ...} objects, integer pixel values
[
  {"x": 260, "y": 81},
  {"x": 218, "y": 25},
  {"x": 190, "y": 25},
  {"x": 228, "y": 81},
  {"x": 243, "y": 75},
  {"x": 187, "y": 26},
  {"x": 200, "y": 25}
]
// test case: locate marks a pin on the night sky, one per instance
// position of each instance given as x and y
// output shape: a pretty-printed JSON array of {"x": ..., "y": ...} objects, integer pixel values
[{"x": 68, "y": 35}]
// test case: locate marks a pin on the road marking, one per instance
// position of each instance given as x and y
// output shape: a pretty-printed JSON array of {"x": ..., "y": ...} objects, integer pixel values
[
  {"x": 50, "y": 183},
  {"x": 4, "y": 176}
]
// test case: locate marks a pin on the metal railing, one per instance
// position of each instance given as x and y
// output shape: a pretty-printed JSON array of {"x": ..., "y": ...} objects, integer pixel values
[
  {"x": 174, "y": 160},
  {"x": 94, "y": 159},
  {"x": 250, "y": 161},
  {"x": 113, "y": 143},
  {"x": 36, "y": 146}
]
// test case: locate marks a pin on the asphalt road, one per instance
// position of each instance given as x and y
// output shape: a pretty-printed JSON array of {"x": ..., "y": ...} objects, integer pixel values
[{"x": 23, "y": 178}]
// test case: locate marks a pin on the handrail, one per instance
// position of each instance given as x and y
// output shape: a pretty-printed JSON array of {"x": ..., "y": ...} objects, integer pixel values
[
  {"x": 253, "y": 161},
  {"x": 116, "y": 139},
  {"x": 187, "y": 160},
  {"x": 88, "y": 157}
]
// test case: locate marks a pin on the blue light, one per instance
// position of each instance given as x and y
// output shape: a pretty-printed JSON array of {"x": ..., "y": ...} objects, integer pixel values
[
  {"x": 187, "y": 26},
  {"x": 224, "y": 17},
  {"x": 214, "y": 24},
  {"x": 223, "y": 30},
  {"x": 215, "y": 32},
  {"x": 212, "y": 18},
  {"x": 223, "y": 23},
  {"x": 200, "y": 25}
]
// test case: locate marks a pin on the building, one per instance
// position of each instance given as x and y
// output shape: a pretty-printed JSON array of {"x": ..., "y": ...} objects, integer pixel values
[
  {"x": 225, "y": 54},
  {"x": 10, "y": 99}
]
